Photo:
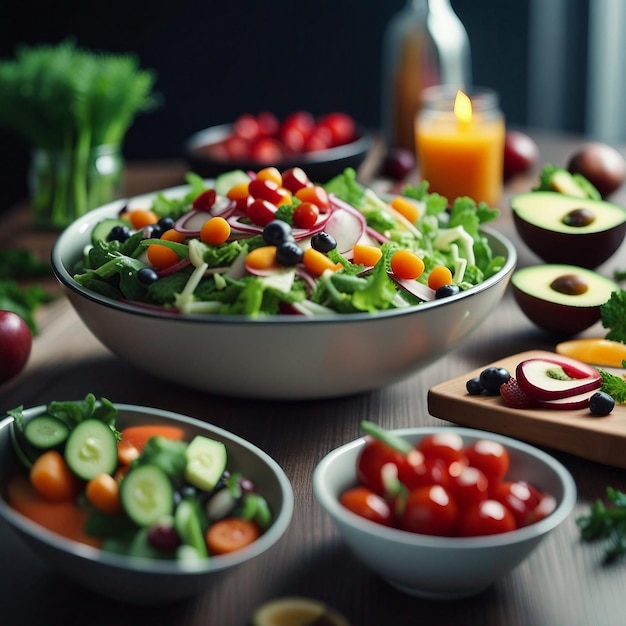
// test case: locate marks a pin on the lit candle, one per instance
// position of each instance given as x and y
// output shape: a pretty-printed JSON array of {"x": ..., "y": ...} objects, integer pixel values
[{"x": 460, "y": 144}]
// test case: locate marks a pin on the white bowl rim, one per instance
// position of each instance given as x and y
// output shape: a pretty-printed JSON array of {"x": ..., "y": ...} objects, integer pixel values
[
  {"x": 332, "y": 505},
  {"x": 89, "y": 219},
  {"x": 162, "y": 566}
]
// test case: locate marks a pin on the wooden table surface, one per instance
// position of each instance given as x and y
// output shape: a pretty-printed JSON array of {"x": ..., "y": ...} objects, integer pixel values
[{"x": 562, "y": 584}]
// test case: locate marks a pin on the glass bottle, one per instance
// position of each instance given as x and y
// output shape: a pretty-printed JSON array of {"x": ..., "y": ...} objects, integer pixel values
[{"x": 425, "y": 44}]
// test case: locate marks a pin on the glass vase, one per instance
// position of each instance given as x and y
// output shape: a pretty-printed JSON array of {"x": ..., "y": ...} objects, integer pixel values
[{"x": 65, "y": 184}]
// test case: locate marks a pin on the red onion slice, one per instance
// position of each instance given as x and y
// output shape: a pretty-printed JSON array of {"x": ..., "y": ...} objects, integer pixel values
[
  {"x": 419, "y": 290},
  {"x": 191, "y": 222},
  {"x": 172, "y": 269}
]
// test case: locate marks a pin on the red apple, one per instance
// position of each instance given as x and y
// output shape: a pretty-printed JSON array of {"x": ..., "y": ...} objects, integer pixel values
[
  {"x": 520, "y": 153},
  {"x": 15, "y": 344},
  {"x": 570, "y": 403},
  {"x": 554, "y": 379}
]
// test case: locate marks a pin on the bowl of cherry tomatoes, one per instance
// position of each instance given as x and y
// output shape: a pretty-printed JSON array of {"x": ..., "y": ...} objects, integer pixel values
[
  {"x": 442, "y": 513},
  {"x": 324, "y": 146}
]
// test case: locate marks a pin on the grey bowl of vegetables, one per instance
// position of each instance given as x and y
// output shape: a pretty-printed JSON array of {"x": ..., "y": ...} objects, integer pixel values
[
  {"x": 267, "y": 285},
  {"x": 138, "y": 504}
]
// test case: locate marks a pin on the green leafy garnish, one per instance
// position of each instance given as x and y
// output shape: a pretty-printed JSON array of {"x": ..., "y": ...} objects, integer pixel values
[
  {"x": 613, "y": 316},
  {"x": 22, "y": 263},
  {"x": 614, "y": 385},
  {"x": 608, "y": 523},
  {"x": 23, "y": 300}
]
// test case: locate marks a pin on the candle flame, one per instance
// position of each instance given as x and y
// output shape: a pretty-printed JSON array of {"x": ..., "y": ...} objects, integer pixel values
[{"x": 463, "y": 107}]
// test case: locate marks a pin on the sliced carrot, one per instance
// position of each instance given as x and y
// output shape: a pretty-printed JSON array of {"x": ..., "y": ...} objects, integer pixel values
[
  {"x": 138, "y": 435},
  {"x": 231, "y": 534},
  {"x": 238, "y": 192},
  {"x": 142, "y": 217},
  {"x": 52, "y": 478},
  {"x": 262, "y": 258},
  {"x": 594, "y": 350},
  {"x": 363, "y": 254},
  {"x": 161, "y": 256},
  {"x": 103, "y": 491},
  {"x": 439, "y": 276},
  {"x": 317, "y": 262},
  {"x": 173, "y": 235},
  {"x": 63, "y": 518},
  {"x": 215, "y": 231},
  {"x": 406, "y": 264},
  {"x": 406, "y": 208},
  {"x": 127, "y": 452}
]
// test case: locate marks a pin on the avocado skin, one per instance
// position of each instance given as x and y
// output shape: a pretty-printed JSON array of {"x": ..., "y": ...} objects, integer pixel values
[
  {"x": 557, "y": 319},
  {"x": 560, "y": 315},
  {"x": 589, "y": 250},
  {"x": 586, "y": 248}
]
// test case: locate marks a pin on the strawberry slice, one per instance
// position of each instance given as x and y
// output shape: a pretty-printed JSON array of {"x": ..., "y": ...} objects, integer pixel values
[{"x": 513, "y": 396}]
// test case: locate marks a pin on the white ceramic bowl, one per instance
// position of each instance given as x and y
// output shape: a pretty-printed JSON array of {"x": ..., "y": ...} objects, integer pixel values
[
  {"x": 279, "y": 357},
  {"x": 442, "y": 567},
  {"x": 150, "y": 581}
]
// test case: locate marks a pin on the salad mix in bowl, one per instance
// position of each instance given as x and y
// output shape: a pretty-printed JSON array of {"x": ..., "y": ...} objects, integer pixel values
[
  {"x": 269, "y": 242},
  {"x": 146, "y": 490}
]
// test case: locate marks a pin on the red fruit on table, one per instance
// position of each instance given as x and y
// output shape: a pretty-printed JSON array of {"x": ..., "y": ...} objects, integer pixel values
[
  {"x": 520, "y": 153},
  {"x": 15, "y": 344}
]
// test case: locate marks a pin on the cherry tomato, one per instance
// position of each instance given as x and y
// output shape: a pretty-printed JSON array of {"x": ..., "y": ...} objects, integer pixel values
[
  {"x": 247, "y": 127},
  {"x": 320, "y": 139},
  {"x": 429, "y": 511},
  {"x": 446, "y": 445},
  {"x": 341, "y": 126},
  {"x": 263, "y": 189},
  {"x": 469, "y": 486},
  {"x": 373, "y": 457},
  {"x": 419, "y": 470},
  {"x": 302, "y": 121},
  {"x": 296, "y": 178},
  {"x": 365, "y": 503},
  {"x": 488, "y": 517},
  {"x": 266, "y": 150},
  {"x": 261, "y": 212},
  {"x": 315, "y": 194},
  {"x": 305, "y": 215},
  {"x": 490, "y": 457},
  {"x": 519, "y": 497},
  {"x": 237, "y": 147},
  {"x": 545, "y": 507},
  {"x": 268, "y": 124}
]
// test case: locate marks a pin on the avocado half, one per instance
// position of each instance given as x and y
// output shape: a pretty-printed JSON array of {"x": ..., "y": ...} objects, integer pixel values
[
  {"x": 541, "y": 218},
  {"x": 558, "y": 312}
]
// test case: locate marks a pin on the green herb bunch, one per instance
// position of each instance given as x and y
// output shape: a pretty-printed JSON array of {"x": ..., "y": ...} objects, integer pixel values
[{"x": 65, "y": 99}]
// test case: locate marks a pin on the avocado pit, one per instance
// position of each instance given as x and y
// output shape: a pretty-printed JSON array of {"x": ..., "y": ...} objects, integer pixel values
[
  {"x": 570, "y": 284},
  {"x": 579, "y": 218}
]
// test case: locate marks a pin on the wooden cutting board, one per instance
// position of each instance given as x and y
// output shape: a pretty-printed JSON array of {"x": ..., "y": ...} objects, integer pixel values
[{"x": 601, "y": 439}]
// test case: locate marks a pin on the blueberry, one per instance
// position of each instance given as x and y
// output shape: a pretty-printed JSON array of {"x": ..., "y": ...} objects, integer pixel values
[
  {"x": 119, "y": 233},
  {"x": 446, "y": 291},
  {"x": 289, "y": 253},
  {"x": 277, "y": 232},
  {"x": 492, "y": 378},
  {"x": 153, "y": 231},
  {"x": 166, "y": 223},
  {"x": 147, "y": 276},
  {"x": 473, "y": 386},
  {"x": 323, "y": 242},
  {"x": 601, "y": 403}
]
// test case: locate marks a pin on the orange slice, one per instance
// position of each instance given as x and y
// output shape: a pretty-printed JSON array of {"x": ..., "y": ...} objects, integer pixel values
[{"x": 595, "y": 351}]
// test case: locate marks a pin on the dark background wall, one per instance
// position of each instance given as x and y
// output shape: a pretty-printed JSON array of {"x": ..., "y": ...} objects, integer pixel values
[{"x": 216, "y": 59}]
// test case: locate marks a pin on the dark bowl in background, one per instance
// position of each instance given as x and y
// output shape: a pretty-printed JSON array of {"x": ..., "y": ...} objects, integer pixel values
[{"x": 320, "y": 165}]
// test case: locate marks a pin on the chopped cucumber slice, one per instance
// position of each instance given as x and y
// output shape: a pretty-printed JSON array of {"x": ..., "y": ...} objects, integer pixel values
[
  {"x": 189, "y": 526},
  {"x": 206, "y": 462},
  {"x": 226, "y": 181},
  {"x": 147, "y": 495},
  {"x": 102, "y": 229},
  {"x": 91, "y": 449},
  {"x": 46, "y": 431}
]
